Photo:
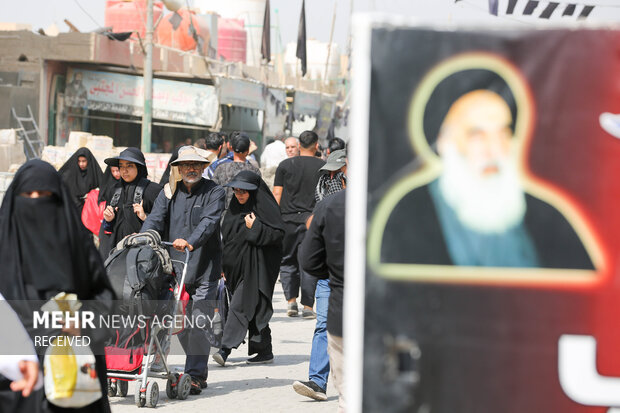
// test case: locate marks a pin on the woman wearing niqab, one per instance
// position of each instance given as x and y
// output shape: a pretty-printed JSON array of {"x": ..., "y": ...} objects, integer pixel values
[
  {"x": 252, "y": 233},
  {"x": 81, "y": 181},
  {"x": 45, "y": 250}
]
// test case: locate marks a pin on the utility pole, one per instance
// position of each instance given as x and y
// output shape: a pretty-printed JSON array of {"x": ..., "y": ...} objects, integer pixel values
[
  {"x": 147, "y": 116},
  {"x": 329, "y": 47}
]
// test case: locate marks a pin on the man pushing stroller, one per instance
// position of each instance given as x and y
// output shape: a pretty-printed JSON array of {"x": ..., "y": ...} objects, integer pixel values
[{"x": 188, "y": 213}]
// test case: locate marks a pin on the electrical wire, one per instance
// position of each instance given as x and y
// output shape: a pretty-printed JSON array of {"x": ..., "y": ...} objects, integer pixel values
[{"x": 86, "y": 13}]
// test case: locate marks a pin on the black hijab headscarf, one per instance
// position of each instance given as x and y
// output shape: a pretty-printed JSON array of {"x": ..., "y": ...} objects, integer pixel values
[
  {"x": 43, "y": 243},
  {"x": 126, "y": 221},
  {"x": 166, "y": 176},
  {"x": 237, "y": 254},
  {"x": 81, "y": 182},
  {"x": 251, "y": 257},
  {"x": 126, "y": 218},
  {"x": 106, "y": 190},
  {"x": 261, "y": 202}
]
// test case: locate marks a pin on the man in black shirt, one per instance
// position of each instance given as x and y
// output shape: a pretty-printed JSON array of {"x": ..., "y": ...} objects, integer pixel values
[
  {"x": 322, "y": 253},
  {"x": 294, "y": 184}
]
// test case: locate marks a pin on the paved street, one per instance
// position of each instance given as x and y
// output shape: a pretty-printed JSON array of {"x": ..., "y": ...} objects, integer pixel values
[{"x": 240, "y": 387}]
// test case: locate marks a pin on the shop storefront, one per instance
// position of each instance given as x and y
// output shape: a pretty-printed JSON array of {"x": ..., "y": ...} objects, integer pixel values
[{"x": 112, "y": 104}]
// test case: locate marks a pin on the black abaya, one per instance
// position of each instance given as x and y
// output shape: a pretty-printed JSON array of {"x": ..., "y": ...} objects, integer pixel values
[
  {"x": 106, "y": 190},
  {"x": 81, "y": 182},
  {"x": 251, "y": 262},
  {"x": 126, "y": 222},
  {"x": 44, "y": 250}
]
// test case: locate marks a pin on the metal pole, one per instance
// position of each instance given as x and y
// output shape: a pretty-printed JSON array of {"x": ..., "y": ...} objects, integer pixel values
[
  {"x": 147, "y": 117},
  {"x": 329, "y": 47}
]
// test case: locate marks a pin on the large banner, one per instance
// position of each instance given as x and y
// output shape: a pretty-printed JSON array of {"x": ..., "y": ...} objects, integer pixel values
[
  {"x": 242, "y": 93},
  {"x": 492, "y": 227},
  {"x": 118, "y": 93}
]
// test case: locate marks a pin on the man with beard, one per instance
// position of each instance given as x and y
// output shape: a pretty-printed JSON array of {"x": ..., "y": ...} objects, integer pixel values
[
  {"x": 476, "y": 213},
  {"x": 188, "y": 213}
]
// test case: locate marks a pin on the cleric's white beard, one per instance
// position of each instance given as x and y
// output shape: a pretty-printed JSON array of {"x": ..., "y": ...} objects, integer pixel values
[{"x": 486, "y": 204}]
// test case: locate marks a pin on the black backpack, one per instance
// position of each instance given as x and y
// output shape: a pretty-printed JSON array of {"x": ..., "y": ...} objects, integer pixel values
[
  {"x": 139, "y": 268},
  {"x": 137, "y": 195}
]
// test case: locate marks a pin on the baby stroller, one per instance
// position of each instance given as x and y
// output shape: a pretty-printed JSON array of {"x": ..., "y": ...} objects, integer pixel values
[{"x": 140, "y": 269}]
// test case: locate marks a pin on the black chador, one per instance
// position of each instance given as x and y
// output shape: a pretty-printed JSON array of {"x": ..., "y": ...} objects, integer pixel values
[
  {"x": 123, "y": 196},
  {"x": 46, "y": 250},
  {"x": 81, "y": 181},
  {"x": 251, "y": 262}
]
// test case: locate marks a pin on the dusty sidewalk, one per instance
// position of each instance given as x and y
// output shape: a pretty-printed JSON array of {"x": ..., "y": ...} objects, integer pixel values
[{"x": 239, "y": 387}]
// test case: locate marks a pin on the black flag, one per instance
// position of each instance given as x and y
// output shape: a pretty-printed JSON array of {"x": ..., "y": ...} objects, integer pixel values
[
  {"x": 530, "y": 7},
  {"x": 549, "y": 10},
  {"x": 585, "y": 12},
  {"x": 569, "y": 10},
  {"x": 301, "y": 39},
  {"x": 511, "y": 6},
  {"x": 493, "y": 7},
  {"x": 265, "y": 49}
]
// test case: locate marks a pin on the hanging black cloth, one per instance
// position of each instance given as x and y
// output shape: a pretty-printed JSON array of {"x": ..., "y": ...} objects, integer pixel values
[
  {"x": 126, "y": 221},
  {"x": 80, "y": 182},
  {"x": 106, "y": 190},
  {"x": 44, "y": 250},
  {"x": 251, "y": 258},
  {"x": 166, "y": 176}
]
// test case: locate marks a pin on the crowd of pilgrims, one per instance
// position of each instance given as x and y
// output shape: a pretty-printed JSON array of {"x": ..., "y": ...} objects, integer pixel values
[{"x": 46, "y": 249}]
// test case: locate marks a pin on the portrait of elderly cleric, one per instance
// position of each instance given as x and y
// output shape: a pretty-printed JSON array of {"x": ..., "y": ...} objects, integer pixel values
[{"x": 474, "y": 208}]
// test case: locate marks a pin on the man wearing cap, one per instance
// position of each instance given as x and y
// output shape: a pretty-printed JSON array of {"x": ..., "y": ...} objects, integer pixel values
[
  {"x": 240, "y": 143},
  {"x": 332, "y": 180},
  {"x": 187, "y": 212},
  {"x": 129, "y": 203},
  {"x": 333, "y": 177},
  {"x": 322, "y": 256}
]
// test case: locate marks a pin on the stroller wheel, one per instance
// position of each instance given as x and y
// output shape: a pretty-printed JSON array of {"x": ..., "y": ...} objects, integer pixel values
[
  {"x": 122, "y": 388},
  {"x": 111, "y": 388},
  {"x": 139, "y": 397},
  {"x": 152, "y": 394},
  {"x": 172, "y": 386},
  {"x": 184, "y": 386}
]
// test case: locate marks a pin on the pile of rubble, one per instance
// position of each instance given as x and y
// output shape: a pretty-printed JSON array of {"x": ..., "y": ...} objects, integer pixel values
[
  {"x": 12, "y": 155},
  {"x": 11, "y": 151},
  {"x": 102, "y": 147}
]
